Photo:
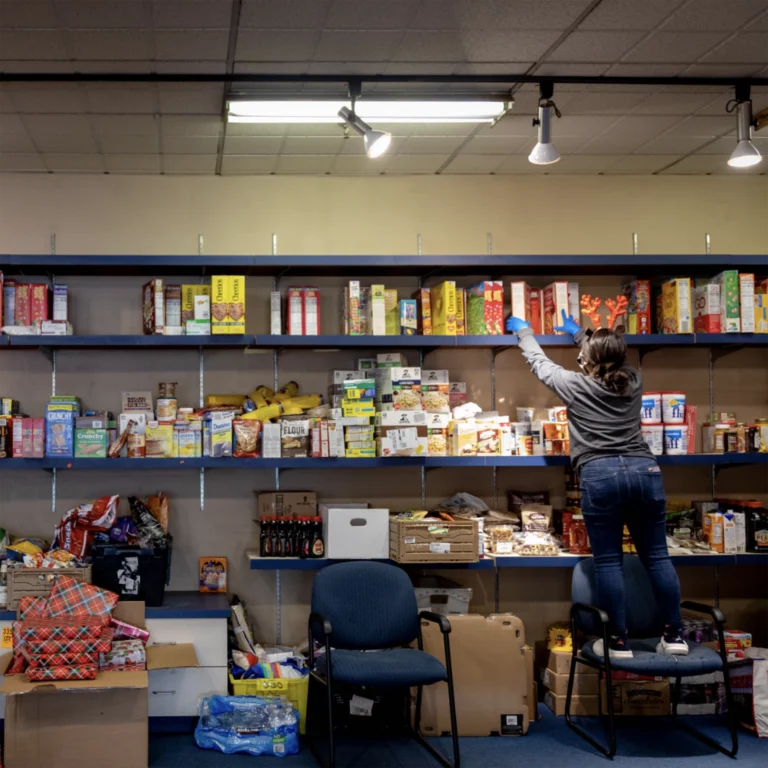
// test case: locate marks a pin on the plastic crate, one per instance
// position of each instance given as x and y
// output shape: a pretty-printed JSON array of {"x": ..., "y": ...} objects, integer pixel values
[
  {"x": 441, "y": 595},
  {"x": 294, "y": 689}
]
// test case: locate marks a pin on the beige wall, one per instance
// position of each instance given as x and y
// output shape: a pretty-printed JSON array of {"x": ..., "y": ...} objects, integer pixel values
[{"x": 157, "y": 215}]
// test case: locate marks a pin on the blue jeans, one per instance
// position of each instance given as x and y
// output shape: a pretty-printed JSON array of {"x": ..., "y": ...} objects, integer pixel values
[{"x": 616, "y": 490}]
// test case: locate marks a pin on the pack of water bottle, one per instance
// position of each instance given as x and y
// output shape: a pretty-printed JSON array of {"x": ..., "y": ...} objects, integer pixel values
[{"x": 250, "y": 724}]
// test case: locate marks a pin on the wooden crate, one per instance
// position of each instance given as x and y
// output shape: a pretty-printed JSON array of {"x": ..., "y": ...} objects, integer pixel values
[
  {"x": 433, "y": 541},
  {"x": 37, "y": 582}
]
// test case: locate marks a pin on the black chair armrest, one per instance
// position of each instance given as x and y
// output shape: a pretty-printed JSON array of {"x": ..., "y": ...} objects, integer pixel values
[
  {"x": 715, "y": 613},
  {"x": 317, "y": 622},
  {"x": 598, "y": 613},
  {"x": 436, "y": 618}
]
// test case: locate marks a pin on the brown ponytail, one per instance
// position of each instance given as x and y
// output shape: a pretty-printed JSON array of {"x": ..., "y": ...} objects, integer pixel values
[{"x": 605, "y": 354}]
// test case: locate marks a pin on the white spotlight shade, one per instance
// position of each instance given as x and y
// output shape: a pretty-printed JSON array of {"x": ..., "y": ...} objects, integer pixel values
[
  {"x": 544, "y": 153},
  {"x": 746, "y": 153},
  {"x": 376, "y": 142}
]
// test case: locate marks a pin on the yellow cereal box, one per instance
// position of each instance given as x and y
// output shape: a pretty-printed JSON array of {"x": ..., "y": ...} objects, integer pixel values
[
  {"x": 676, "y": 306},
  {"x": 391, "y": 312},
  {"x": 461, "y": 311},
  {"x": 236, "y": 304},
  {"x": 188, "y": 293},
  {"x": 219, "y": 299},
  {"x": 443, "y": 299}
]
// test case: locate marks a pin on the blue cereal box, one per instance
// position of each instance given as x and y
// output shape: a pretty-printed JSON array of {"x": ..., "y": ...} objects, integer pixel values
[{"x": 60, "y": 427}]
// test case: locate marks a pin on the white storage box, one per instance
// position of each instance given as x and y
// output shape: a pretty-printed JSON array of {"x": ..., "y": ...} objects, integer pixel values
[
  {"x": 443, "y": 596},
  {"x": 355, "y": 532}
]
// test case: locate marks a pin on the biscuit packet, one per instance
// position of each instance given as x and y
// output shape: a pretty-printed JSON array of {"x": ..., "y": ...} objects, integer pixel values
[{"x": 246, "y": 433}]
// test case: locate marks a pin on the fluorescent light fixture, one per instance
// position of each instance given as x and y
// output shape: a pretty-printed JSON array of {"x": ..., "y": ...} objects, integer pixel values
[
  {"x": 746, "y": 153},
  {"x": 544, "y": 153},
  {"x": 372, "y": 111},
  {"x": 376, "y": 142}
]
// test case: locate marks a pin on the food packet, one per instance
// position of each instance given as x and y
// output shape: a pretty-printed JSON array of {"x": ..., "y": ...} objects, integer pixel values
[
  {"x": 246, "y": 432},
  {"x": 516, "y": 499},
  {"x": 116, "y": 446},
  {"x": 535, "y": 543},
  {"x": 150, "y": 532},
  {"x": 160, "y": 509},
  {"x": 536, "y": 517},
  {"x": 22, "y": 547},
  {"x": 123, "y": 531},
  {"x": 500, "y": 539},
  {"x": 78, "y": 528}
]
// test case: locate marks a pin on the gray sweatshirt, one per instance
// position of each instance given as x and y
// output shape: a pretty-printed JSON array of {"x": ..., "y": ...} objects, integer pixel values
[{"x": 600, "y": 422}]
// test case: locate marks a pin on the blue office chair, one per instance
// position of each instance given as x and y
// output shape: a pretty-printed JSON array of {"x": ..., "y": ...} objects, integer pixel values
[
  {"x": 363, "y": 613},
  {"x": 645, "y": 627}
]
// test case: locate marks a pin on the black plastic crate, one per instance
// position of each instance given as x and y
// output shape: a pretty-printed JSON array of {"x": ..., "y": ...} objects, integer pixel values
[{"x": 133, "y": 572}]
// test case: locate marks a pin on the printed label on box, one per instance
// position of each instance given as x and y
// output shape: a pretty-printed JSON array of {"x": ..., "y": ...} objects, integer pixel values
[{"x": 439, "y": 547}]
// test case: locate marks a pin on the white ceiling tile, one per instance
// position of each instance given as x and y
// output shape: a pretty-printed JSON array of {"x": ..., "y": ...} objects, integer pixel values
[
  {"x": 629, "y": 14},
  {"x": 353, "y": 145},
  {"x": 640, "y": 164},
  {"x": 43, "y": 97},
  {"x": 285, "y": 14},
  {"x": 595, "y": 46},
  {"x": 258, "y": 68},
  {"x": 129, "y": 145},
  {"x": 110, "y": 45},
  {"x": 511, "y": 125},
  {"x": 566, "y": 145},
  {"x": 475, "y": 68},
  {"x": 189, "y": 163},
  {"x": 104, "y": 14},
  {"x": 497, "y": 14},
  {"x": 6, "y": 105},
  {"x": 587, "y": 164},
  {"x": 358, "y": 165},
  {"x": 125, "y": 99},
  {"x": 40, "y": 45},
  {"x": 703, "y": 126},
  {"x": 674, "y": 47},
  {"x": 191, "y": 14},
  {"x": 125, "y": 125},
  {"x": 518, "y": 164},
  {"x": 352, "y": 14},
  {"x": 21, "y": 14},
  {"x": 334, "y": 130},
  {"x": 666, "y": 103},
  {"x": 16, "y": 143},
  {"x": 252, "y": 145},
  {"x": 192, "y": 44},
  {"x": 90, "y": 163},
  {"x": 11, "y": 125},
  {"x": 672, "y": 145},
  {"x": 255, "y": 45},
  {"x": 722, "y": 70},
  {"x": 415, "y": 163},
  {"x": 190, "y": 67},
  {"x": 474, "y": 164},
  {"x": 21, "y": 162},
  {"x": 312, "y": 145},
  {"x": 132, "y": 163},
  {"x": 497, "y": 145},
  {"x": 580, "y": 126},
  {"x": 504, "y": 45},
  {"x": 426, "y": 68},
  {"x": 760, "y": 24},
  {"x": 190, "y": 125},
  {"x": 430, "y": 145},
  {"x": 605, "y": 102},
  {"x": 717, "y": 164},
  {"x": 62, "y": 143},
  {"x": 645, "y": 70},
  {"x": 205, "y": 99},
  {"x": 715, "y": 15},
  {"x": 431, "y": 46},
  {"x": 352, "y": 46},
  {"x": 641, "y": 127},
  {"x": 562, "y": 68},
  {"x": 722, "y": 146},
  {"x": 354, "y": 68},
  {"x": 66, "y": 124},
  {"x": 429, "y": 129},
  {"x": 744, "y": 48},
  {"x": 248, "y": 164},
  {"x": 190, "y": 145},
  {"x": 309, "y": 164},
  {"x": 261, "y": 129}
]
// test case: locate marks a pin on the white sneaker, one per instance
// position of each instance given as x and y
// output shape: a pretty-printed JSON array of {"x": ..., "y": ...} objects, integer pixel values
[
  {"x": 598, "y": 650},
  {"x": 678, "y": 647}
]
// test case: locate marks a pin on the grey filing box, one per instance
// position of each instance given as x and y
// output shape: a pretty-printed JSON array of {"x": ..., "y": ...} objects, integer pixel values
[{"x": 443, "y": 596}]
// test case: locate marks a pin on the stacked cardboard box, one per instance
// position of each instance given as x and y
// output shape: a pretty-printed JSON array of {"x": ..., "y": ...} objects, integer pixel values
[{"x": 552, "y": 669}]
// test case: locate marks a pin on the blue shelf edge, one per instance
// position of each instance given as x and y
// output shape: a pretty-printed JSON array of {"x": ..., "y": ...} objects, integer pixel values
[{"x": 295, "y": 564}]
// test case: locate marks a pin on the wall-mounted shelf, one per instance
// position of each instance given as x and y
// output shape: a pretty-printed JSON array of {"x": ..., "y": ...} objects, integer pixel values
[{"x": 430, "y": 462}]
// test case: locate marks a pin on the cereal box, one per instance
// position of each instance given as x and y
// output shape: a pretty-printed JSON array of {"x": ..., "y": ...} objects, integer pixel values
[
  {"x": 462, "y": 438},
  {"x": 294, "y": 300},
  {"x": 408, "y": 324},
  {"x": 153, "y": 307},
  {"x": 638, "y": 295},
  {"x": 424, "y": 311},
  {"x": 537, "y": 321},
  {"x": 60, "y": 300},
  {"x": 38, "y": 303},
  {"x": 353, "y": 325},
  {"x": 706, "y": 308},
  {"x": 761, "y": 286},
  {"x": 391, "y": 312},
  {"x": 398, "y": 389},
  {"x": 187, "y": 303},
  {"x": 213, "y": 574},
  {"x": 311, "y": 311},
  {"x": 8, "y": 316},
  {"x": 457, "y": 393},
  {"x": 461, "y": 312},
  {"x": 761, "y": 313},
  {"x": 90, "y": 443},
  {"x": 377, "y": 311},
  {"x": 235, "y": 304},
  {"x": 60, "y": 428},
  {"x": 520, "y": 293},
  {"x": 219, "y": 310},
  {"x": 730, "y": 310},
  {"x": 443, "y": 300},
  {"x": 574, "y": 298},
  {"x": 482, "y": 310},
  {"x": 676, "y": 306},
  {"x": 434, "y": 392},
  {"x": 555, "y": 302},
  {"x": 22, "y": 306},
  {"x": 746, "y": 298}
]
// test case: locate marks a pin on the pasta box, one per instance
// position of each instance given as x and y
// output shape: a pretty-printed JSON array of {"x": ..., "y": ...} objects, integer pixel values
[{"x": 87, "y": 723}]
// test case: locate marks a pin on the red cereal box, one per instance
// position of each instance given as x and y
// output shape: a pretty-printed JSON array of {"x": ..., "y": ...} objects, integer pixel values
[
  {"x": 23, "y": 314},
  {"x": 690, "y": 426},
  {"x": 38, "y": 303},
  {"x": 555, "y": 303},
  {"x": 536, "y": 311}
]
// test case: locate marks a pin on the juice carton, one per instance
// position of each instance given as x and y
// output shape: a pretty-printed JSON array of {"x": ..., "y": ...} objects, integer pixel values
[
  {"x": 746, "y": 298},
  {"x": 676, "y": 306},
  {"x": 706, "y": 308},
  {"x": 443, "y": 299},
  {"x": 730, "y": 310},
  {"x": 555, "y": 302},
  {"x": 424, "y": 311}
]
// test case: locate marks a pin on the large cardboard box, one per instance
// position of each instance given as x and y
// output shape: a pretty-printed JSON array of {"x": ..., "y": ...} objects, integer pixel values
[
  {"x": 490, "y": 675},
  {"x": 581, "y": 706},
  {"x": 296, "y": 504},
  {"x": 86, "y": 723},
  {"x": 639, "y": 697},
  {"x": 557, "y": 661},
  {"x": 583, "y": 685}
]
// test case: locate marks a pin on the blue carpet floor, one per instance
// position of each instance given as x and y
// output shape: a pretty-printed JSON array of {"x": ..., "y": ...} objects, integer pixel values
[{"x": 651, "y": 742}]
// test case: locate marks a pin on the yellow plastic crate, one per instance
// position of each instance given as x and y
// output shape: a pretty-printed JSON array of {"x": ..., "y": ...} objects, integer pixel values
[{"x": 294, "y": 689}]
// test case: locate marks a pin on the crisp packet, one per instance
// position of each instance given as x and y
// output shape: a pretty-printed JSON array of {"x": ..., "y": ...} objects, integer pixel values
[{"x": 125, "y": 631}]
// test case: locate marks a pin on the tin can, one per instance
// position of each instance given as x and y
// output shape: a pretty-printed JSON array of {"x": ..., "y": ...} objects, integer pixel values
[
  {"x": 731, "y": 441},
  {"x": 167, "y": 389},
  {"x": 166, "y": 409},
  {"x": 136, "y": 445}
]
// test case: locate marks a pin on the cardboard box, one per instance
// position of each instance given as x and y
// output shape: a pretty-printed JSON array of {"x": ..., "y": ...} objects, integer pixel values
[
  {"x": 391, "y": 312},
  {"x": 485, "y": 309},
  {"x": 638, "y": 294},
  {"x": 423, "y": 311},
  {"x": 354, "y": 327},
  {"x": 311, "y": 311},
  {"x": 558, "y": 662},
  {"x": 490, "y": 676},
  {"x": 461, "y": 312},
  {"x": 443, "y": 300},
  {"x": 747, "y": 301},
  {"x": 38, "y": 303},
  {"x": 537, "y": 311},
  {"x": 408, "y": 322},
  {"x": 60, "y": 300},
  {"x": 555, "y": 302},
  {"x": 533, "y": 688},
  {"x": 60, "y": 429},
  {"x": 574, "y": 301},
  {"x": 172, "y": 306},
  {"x": 219, "y": 311},
  {"x": 583, "y": 685},
  {"x": 638, "y": 698},
  {"x": 761, "y": 313},
  {"x": 520, "y": 293},
  {"x": 235, "y": 304},
  {"x": 377, "y": 311},
  {"x": 433, "y": 541},
  {"x": 8, "y": 315},
  {"x": 581, "y": 706},
  {"x": 153, "y": 302},
  {"x": 706, "y": 308},
  {"x": 730, "y": 308},
  {"x": 22, "y": 307},
  {"x": 676, "y": 306},
  {"x": 354, "y": 532},
  {"x": 90, "y": 443},
  {"x": 294, "y": 503},
  {"x": 86, "y": 723}
]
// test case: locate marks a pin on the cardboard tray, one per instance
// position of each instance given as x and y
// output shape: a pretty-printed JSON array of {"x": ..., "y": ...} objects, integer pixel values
[{"x": 38, "y": 582}]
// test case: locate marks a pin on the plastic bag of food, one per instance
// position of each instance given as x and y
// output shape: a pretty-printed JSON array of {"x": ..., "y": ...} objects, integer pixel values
[
  {"x": 247, "y": 433},
  {"x": 150, "y": 532},
  {"x": 500, "y": 539},
  {"x": 160, "y": 509},
  {"x": 78, "y": 528},
  {"x": 534, "y": 543},
  {"x": 123, "y": 531},
  {"x": 536, "y": 517}
]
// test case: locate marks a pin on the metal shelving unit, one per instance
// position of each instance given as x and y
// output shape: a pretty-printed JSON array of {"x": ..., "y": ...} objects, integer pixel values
[{"x": 419, "y": 267}]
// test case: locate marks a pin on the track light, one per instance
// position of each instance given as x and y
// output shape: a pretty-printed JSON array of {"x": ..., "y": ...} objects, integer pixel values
[
  {"x": 376, "y": 142},
  {"x": 746, "y": 153},
  {"x": 544, "y": 153}
]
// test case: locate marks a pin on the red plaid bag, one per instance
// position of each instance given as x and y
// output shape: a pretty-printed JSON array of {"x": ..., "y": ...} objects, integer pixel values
[
  {"x": 63, "y": 659},
  {"x": 80, "y": 672},
  {"x": 73, "y": 598},
  {"x": 101, "y": 645},
  {"x": 32, "y": 607},
  {"x": 62, "y": 628}
]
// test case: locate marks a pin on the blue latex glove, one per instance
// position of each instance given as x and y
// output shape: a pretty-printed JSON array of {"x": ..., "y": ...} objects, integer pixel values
[
  {"x": 514, "y": 324},
  {"x": 569, "y": 325}
]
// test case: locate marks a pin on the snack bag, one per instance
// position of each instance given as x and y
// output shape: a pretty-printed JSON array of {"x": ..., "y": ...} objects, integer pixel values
[
  {"x": 149, "y": 530},
  {"x": 77, "y": 529},
  {"x": 247, "y": 432},
  {"x": 160, "y": 508}
]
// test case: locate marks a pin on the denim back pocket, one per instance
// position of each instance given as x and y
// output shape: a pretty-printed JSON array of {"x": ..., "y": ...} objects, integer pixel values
[
  {"x": 651, "y": 483},
  {"x": 601, "y": 491}
]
